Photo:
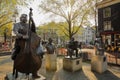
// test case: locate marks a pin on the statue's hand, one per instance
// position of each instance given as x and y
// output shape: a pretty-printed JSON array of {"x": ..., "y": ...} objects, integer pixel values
[
  {"x": 21, "y": 31},
  {"x": 25, "y": 37},
  {"x": 19, "y": 35}
]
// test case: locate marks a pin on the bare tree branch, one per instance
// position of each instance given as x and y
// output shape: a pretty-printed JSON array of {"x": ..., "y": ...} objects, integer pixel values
[
  {"x": 65, "y": 33},
  {"x": 5, "y": 23},
  {"x": 74, "y": 32},
  {"x": 70, "y": 10}
]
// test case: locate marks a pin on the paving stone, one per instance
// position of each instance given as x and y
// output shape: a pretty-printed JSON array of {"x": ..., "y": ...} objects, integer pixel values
[
  {"x": 23, "y": 77},
  {"x": 113, "y": 73}
]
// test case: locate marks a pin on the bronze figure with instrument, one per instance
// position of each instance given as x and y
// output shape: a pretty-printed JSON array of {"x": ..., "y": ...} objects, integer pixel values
[{"x": 27, "y": 41}]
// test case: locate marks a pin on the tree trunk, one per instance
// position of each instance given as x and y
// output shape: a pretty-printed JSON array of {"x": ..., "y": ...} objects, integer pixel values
[
  {"x": 5, "y": 36},
  {"x": 70, "y": 30}
]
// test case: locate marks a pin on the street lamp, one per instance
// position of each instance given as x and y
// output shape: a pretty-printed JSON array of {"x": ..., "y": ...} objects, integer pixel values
[{"x": 5, "y": 34}]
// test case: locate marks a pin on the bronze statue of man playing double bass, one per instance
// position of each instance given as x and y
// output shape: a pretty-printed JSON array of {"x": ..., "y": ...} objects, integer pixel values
[
  {"x": 20, "y": 30},
  {"x": 24, "y": 33}
]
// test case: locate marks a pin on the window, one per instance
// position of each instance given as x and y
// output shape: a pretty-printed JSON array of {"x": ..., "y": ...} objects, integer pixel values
[
  {"x": 108, "y": 38},
  {"x": 107, "y": 12},
  {"x": 107, "y": 25}
]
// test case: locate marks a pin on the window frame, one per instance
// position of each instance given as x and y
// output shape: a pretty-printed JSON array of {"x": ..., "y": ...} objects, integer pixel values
[
  {"x": 107, "y": 25},
  {"x": 107, "y": 12}
]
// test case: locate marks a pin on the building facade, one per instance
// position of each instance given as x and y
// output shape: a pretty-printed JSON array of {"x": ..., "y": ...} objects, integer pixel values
[
  {"x": 109, "y": 22},
  {"x": 87, "y": 35}
]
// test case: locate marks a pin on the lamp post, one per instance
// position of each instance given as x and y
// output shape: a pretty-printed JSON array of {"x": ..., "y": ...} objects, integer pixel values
[{"x": 5, "y": 34}]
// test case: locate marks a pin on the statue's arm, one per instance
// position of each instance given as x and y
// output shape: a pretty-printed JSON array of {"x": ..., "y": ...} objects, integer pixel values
[{"x": 15, "y": 30}]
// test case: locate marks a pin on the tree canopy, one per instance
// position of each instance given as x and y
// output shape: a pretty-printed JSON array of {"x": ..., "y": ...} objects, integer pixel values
[
  {"x": 74, "y": 12},
  {"x": 8, "y": 11},
  {"x": 57, "y": 28}
]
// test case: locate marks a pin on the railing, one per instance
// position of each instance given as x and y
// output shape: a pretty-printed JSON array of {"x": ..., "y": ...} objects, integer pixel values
[
  {"x": 113, "y": 60},
  {"x": 87, "y": 55}
]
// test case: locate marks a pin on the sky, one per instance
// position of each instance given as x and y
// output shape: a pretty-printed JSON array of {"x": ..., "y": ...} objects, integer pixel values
[{"x": 38, "y": 16}]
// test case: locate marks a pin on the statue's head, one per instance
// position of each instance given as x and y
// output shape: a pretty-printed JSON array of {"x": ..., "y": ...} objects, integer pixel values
[
  {"x": 23, "y": 18},
  {"x": 50, "y": 40}
]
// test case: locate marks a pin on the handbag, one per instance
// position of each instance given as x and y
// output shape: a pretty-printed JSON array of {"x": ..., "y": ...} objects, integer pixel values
[{"x": 40, "y": 50}]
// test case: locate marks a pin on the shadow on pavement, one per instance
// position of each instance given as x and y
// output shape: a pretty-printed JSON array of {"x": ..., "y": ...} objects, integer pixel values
[
  {"x": 106, "y": 76},
  {"x": 49, "y": 75},
  {"x": 5, "y": 53},
  {"x": 66, "y": 75}
]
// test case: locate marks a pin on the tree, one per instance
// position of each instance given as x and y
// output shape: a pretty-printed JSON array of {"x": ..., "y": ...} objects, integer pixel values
[
  {"x": 5, "y": 13},
  {"x": 58, "y": 28},
  {"x": 49, "y": 30},
  {"x": 93, "y": 13},
  {"x": 8, "y": 10},
  {"x": 52, "y": 25},
  {"x": 74, "y": 12}
]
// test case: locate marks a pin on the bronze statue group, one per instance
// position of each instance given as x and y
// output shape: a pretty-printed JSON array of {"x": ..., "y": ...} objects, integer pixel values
[{"x": 28, "y": 49}]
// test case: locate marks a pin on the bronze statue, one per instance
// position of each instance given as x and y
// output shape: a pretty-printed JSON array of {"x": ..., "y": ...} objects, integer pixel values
[
  {"x": 99, "y": 46},
  {"x": 50, "y": 47},
  {"x": 72, "y": 46},
  {"x": 27, "y": 41}
]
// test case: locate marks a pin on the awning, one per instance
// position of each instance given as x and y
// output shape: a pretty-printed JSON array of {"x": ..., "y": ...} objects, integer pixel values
[{"x": 109, "y": 32}]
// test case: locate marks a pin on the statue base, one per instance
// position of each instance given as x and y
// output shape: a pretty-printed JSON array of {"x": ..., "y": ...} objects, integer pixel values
[
  {"x": 72, "y": 64},
  {"x": 51, "y": 62},
  {"x": 21, "y": 76},
  {"x": 99, "y": 63}
]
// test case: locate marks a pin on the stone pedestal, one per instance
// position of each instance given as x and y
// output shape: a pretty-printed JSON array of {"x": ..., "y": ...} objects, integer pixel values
[
  {"x": 51, "y": 62},
  {"x": 21, "y": 76},
  {"x": 72, "y": 64},
  {"x": 99, "y": 63}
]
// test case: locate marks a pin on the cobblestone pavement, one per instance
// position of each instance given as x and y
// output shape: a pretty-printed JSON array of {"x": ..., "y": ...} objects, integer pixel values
[
  {"x": 113, "y": 72},
  {"x": 5, "y": 66}
]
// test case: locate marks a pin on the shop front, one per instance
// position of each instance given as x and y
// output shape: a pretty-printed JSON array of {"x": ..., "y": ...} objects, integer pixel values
[{"x": 111, "y": 40}]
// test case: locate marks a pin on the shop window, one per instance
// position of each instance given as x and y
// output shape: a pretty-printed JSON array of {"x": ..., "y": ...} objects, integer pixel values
[
  {"x": 107, "y": 12},
  {"x": 107, "y": 25}
]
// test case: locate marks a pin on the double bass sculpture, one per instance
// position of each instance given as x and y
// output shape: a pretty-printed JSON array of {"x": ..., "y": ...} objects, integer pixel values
[{"x": 27, "y": 61}]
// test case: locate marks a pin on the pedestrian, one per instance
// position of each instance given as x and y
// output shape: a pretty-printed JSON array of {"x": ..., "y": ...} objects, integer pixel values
[{"x": 40, "y": 50}]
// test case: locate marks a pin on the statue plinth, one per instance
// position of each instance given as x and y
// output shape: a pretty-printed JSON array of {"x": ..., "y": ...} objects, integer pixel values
[
  {"x": 51, "y": 62},
  {"x": 99, "y": 63},
  {"x": 23, "y": 77},
  {"x": 72, "y": 64}
]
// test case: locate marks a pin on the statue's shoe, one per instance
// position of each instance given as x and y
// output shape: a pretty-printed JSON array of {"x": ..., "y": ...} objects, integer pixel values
[{"x": 36, "y": 76}]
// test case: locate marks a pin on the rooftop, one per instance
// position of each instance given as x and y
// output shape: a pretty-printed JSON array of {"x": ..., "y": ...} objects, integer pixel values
[{"x": 106, "y": 3}]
